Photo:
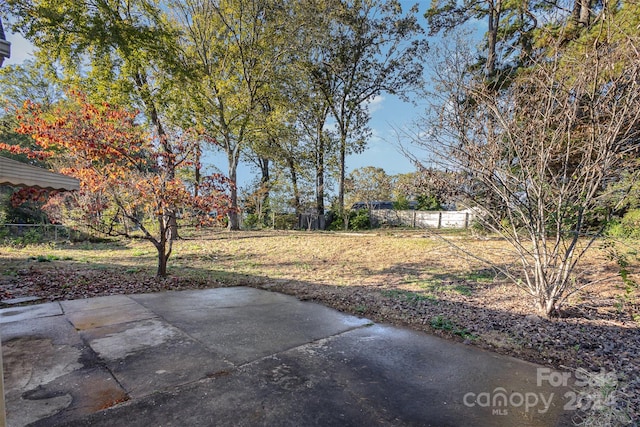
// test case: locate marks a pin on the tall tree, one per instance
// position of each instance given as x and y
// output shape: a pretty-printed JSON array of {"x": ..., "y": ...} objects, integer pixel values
[
  {"x": 366, "y": 47},
  {"x": 319, "y": 142},
  {"x": 229, "y": 50},
  {"x": 18, "y": 84},
  {"x": 113, "y": 49},
  {"x": 512, "y": 27}
]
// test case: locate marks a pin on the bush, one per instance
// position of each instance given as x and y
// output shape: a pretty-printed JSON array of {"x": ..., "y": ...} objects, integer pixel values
[
  {"x": 428, "y": 203},
  {"x": 626, "y": 228},
  {"x": 359, "y": 220},
  {"x": 335, "y": 221},
  {"x": 285, "y": 221},
  {"x": 252, "y": 221},
  {"x": 401, "y": 204},
  {"x": 30, "y": 237}
]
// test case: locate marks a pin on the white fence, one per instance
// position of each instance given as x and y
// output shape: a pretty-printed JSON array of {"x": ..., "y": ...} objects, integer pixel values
[{"x": 423, "y": 219}]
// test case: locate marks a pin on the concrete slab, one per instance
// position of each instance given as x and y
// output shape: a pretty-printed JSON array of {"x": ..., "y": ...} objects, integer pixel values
[
  {"x": 95, "y": 303},
  {"x": 56, "y": 328},
  {"x": 239, "y": 356},
  {"x": 51, "y": 374},
  {"x": 178, "y": 301},
  {"x": 118, "y": 341},
  {"x": 168, "y": 366},
  {"x": 109, "y": 315},
  {"x": 251, "y": 323},
  {"x": 17, "y": 314},
  {"x": 15, "y": 301},
  {"x": 380, "y": 376},
  {"x": 151, "y": 355}
]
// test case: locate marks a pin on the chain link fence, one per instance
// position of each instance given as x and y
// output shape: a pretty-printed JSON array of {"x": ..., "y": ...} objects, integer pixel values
[{"x": 36, "y": 233}]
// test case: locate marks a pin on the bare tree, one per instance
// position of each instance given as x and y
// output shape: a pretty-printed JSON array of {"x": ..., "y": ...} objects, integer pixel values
[{"x": 538, "y": 155}]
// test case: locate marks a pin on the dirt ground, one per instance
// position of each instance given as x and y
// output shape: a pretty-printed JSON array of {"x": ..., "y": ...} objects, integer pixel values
[{"x": 412, "y": 278}]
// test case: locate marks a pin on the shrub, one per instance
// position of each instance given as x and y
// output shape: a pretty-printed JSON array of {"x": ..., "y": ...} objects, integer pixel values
[
  {"x": 30, "y": 237},
  {"x": 285, "y": 221},
  {"x": 428, "y": 203},
  {"x": 401, "y": 204},
  {"x": 359, "y": 220},
  {"x": 628, "y": 227},
  {"x": 252, "y": 221}
]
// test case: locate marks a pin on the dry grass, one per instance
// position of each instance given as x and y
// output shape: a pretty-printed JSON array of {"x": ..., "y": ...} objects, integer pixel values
[{"x": 413, "y": 278}]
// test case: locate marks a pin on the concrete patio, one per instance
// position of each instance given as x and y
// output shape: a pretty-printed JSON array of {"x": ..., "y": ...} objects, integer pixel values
[{"x": 242, "y": 356}]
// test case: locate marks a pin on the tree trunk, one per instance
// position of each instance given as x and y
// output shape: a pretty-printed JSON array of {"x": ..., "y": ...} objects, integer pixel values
[
  {"x": 492, "y": 36},
  {"x": 265, "y": 184},
  {"x": 581, "y": 13},
  {"x": 343, "y": 155},
  {"x": 234, "y": 221},
  {"x": 161, "y": 245},
  {"x": 173, "y": 226},
  {"x": 319, "y": 172},
  {"x": 294, "y": 185},
  {"x": 162, "y": 261},
  {"x": 546, "y": 306},
  {"x": 142, "y": 85},
  {"x": 197, "y": 167}
]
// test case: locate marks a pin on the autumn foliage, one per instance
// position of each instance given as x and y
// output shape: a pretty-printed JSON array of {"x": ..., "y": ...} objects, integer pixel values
[{"x": 128, "y": 179}]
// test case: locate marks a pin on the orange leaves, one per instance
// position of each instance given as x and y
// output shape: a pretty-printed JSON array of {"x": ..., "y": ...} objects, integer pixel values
[
  {"x": 32, "y": 154},
  {"x": 84, "y": 131},
  {"x": 30, "y": 194},
  {"x": 125, "y": 176}
]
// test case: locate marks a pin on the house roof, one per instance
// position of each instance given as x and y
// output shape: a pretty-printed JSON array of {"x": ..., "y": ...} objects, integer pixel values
[{"x": 19, "y": 174}]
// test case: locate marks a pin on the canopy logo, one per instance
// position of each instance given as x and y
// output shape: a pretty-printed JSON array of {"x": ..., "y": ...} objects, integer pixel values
[
  {"x": 499, "y": 400},
  {"x": 585, "y": 391}
]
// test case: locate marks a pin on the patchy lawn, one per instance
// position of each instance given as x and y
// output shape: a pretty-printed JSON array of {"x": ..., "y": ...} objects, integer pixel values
[{"x": 411, "y": 278}]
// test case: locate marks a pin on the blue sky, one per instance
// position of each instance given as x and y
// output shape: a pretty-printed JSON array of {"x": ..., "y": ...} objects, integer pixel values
[{"x": 388, "y": 113}]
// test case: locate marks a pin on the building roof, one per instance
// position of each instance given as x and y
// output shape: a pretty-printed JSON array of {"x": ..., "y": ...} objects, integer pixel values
[{"x": 19, "y": 174}]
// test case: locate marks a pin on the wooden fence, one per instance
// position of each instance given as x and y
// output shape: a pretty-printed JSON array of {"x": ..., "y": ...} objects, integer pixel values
[
  {"x": 422, "y": 219},
  {"x": 393, "y": 218}
]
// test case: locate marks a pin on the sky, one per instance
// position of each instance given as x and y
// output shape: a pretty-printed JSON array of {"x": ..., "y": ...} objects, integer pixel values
[{"x": 388, "y": 114}]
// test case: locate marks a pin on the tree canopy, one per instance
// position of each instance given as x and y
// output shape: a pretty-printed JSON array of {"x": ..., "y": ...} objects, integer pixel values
[{"x": 261, "y": 78}]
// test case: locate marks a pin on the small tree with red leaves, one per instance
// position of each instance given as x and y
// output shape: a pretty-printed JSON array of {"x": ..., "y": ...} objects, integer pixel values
[{"x": 127, "y": 181}]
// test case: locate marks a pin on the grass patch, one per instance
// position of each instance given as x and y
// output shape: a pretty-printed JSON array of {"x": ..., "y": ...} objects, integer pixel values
[
  {"x": 47, "y": 258},
  {"x": 360, "y": 309},
  {"x": 444, "y": 324},
  {"x": 480, "y": 276},
  {"x": 434, "y": 286},
  {"x": 462, "y": 290}
]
